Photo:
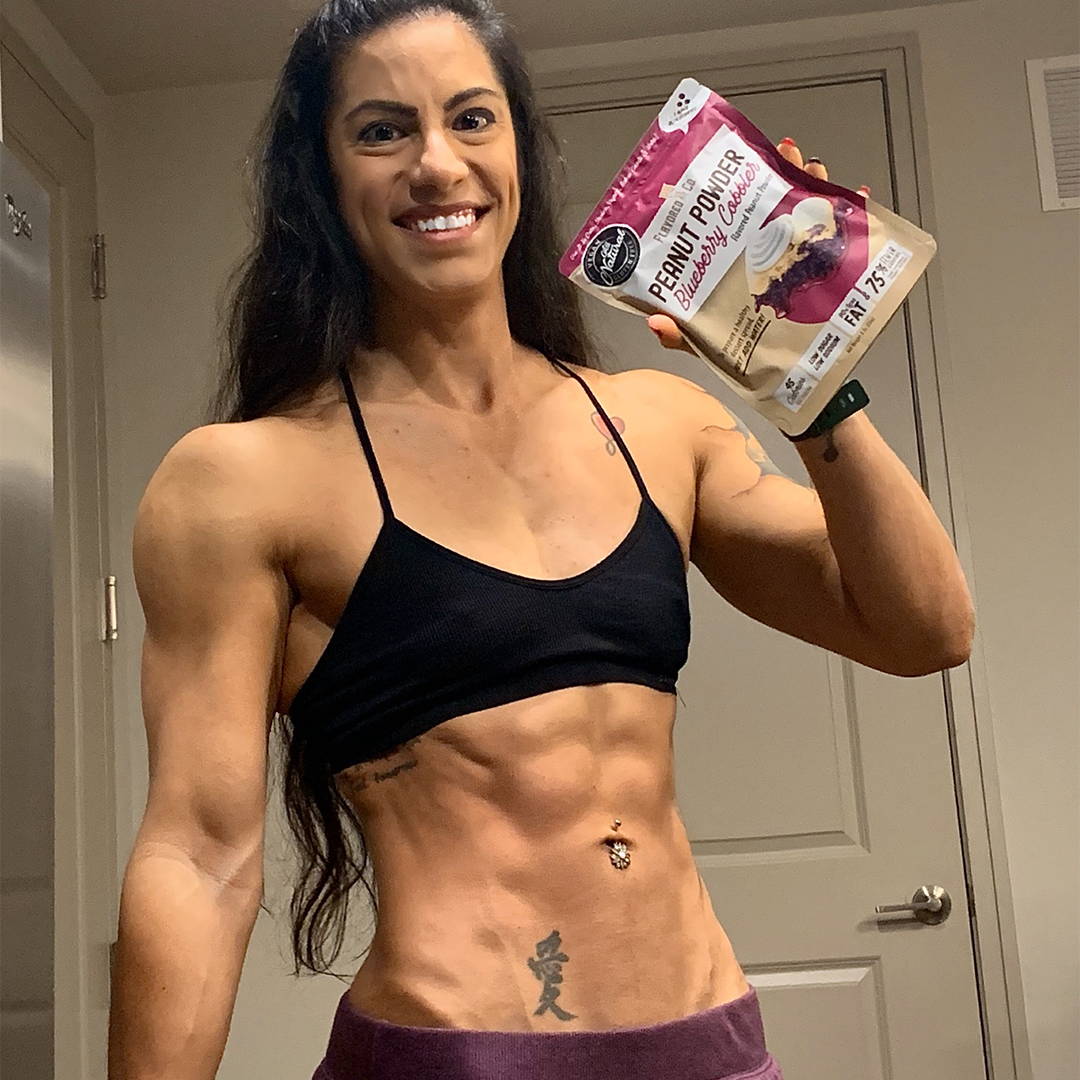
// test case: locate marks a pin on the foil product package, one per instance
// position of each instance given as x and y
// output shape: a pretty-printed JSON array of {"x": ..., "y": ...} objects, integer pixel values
[{"x": 777, "y": 280}]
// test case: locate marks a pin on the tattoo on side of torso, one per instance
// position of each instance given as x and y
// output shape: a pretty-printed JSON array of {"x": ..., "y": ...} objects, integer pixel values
[
  {"x": 359, "y": 777},
  {"x": 547, "y": 967}
]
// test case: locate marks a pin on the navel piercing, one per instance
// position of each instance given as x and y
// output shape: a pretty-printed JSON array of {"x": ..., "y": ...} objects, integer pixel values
[{"x": 619, "y": 854}]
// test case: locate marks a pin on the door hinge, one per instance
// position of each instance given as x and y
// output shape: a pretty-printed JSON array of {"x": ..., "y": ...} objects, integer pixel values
[
  {"x": 97, "y": 268},
  {"x": 108, "y": 611}
]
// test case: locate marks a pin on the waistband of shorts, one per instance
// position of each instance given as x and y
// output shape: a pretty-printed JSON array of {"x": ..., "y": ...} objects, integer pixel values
[{"x": 724, "y": 1041}]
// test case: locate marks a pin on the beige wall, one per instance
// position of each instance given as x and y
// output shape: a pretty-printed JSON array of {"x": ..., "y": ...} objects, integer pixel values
[
  {"x": 64, "y": 66},
  {"x": 171, "y": 207}
]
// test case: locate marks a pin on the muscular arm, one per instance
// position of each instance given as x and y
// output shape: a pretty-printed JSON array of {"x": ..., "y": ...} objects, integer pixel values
[
  {"x": 857, "y": 564},
  {"x": 216, "y": 607}
]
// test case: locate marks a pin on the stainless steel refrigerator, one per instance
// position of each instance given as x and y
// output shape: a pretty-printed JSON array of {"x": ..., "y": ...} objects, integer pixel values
[{"x": 26, "y": 628}]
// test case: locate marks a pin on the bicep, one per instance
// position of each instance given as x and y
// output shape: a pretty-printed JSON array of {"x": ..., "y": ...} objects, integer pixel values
[
  {"x": 216, "y": 607},
  {"x": 764, "y": 548},
  {"x": 761, "y": 541}
]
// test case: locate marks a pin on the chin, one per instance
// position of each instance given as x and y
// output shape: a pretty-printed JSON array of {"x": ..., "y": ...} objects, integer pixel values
[{"x": 449, "y": 285}]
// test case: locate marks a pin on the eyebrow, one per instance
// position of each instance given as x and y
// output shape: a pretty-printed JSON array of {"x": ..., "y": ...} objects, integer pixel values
[{"x": 402, "y": 109}]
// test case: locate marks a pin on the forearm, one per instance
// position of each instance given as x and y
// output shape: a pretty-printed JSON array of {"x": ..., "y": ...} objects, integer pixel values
[
  {"x": 180, "y": 949},
  {"x": 895, "y": 558}
]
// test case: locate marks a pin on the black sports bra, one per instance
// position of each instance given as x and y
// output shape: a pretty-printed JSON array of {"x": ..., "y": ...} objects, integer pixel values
[{"x": 428, "y": 634}]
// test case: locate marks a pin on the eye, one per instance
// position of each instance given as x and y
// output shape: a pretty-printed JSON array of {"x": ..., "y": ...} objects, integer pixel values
[
  {"x": 381, "y": 125},
  {"x": 486, "y": 115},
  {"x": 378, "y": 125}
]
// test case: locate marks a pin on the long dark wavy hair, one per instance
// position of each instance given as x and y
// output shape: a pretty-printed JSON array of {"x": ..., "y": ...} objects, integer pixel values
[{"x": 298, "y": 304}]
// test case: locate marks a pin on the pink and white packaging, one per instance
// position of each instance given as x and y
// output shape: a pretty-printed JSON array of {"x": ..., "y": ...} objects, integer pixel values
[{"x": 779, "y": 281}]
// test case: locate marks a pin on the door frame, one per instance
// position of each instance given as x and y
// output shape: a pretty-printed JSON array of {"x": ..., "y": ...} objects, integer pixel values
[
  {"x": 599, "y": 80},
  {"x": 85, "y": 889}
]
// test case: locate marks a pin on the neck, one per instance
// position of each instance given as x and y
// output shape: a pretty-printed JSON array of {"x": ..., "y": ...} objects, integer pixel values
[{"x": 457, "y": 354}]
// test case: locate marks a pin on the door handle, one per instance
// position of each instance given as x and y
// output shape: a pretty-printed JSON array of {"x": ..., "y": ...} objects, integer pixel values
[{"x": 931, "y": 904}]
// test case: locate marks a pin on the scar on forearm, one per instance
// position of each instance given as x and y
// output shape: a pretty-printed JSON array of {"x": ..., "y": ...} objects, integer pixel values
[
  {"x": 547, "y": 967},
  {"x": 359, "y": 777}
]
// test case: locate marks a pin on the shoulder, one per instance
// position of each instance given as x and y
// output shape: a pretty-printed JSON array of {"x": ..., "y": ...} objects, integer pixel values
[
  {"x": 674, "y": 391},
  {"x": 675, "y": 407},
  {"x": 221, "y": 457},
  {"x": 681, "y": 403},
  {"x": 217, "y": 484},
  {"x": 647, "y": 384}
]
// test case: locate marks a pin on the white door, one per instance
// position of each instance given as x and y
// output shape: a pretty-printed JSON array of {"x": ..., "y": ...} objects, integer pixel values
[
  {"x": 813, "y": 788},
  {"x": 55, "y": 143}
]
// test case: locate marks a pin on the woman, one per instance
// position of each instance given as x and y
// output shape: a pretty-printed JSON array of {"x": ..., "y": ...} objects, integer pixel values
[{"x": 482, "y": 698}]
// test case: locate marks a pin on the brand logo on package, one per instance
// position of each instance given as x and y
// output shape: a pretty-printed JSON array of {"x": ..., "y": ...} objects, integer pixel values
[
  {"x": 611, "y": 256},
  {"x": 686, "y": 101}
]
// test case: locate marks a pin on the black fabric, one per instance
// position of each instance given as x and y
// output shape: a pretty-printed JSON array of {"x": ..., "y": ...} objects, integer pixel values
[{"x": 429, "y": 634}]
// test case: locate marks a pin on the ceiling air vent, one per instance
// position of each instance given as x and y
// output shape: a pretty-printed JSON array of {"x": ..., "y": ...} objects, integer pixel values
[{"x": 1054, "y": 89}]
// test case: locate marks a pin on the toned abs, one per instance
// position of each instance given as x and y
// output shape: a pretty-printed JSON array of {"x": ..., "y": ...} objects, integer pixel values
[{"x": 532, "y": 868}]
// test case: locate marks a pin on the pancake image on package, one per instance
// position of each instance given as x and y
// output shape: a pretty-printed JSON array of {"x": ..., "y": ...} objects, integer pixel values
[{"x": 778, "y": 280}]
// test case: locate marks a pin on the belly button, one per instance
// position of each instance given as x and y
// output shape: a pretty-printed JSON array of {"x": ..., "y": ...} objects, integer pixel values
[
  {"x": 618, "y": 848},
  {"x": 618, "y": 852}
]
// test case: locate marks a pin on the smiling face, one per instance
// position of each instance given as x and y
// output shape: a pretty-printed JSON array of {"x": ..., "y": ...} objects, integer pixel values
[{"x": 419, "y": 128}]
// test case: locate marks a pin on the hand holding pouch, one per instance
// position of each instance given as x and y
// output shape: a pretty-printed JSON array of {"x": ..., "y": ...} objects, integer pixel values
[{"x": 778, "y": 280}]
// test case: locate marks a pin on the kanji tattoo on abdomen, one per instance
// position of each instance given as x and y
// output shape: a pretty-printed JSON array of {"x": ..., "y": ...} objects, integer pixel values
[{"x": 547, "y": 966}]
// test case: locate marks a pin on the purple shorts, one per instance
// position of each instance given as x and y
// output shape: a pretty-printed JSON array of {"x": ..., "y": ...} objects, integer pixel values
[{"x": 726, "y": 1042}]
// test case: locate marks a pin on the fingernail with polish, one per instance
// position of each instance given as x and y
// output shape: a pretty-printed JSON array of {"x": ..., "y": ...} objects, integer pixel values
[{"x": 787, "y": 141}]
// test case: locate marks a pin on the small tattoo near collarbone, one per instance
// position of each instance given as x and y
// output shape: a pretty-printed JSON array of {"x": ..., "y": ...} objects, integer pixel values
[
  {"x": 616, "y": 422},
  {"x": 547, "y": 967},
  {"x": 359, "y": 777}
]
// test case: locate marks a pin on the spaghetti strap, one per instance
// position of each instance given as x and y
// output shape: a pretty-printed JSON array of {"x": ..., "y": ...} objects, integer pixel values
[
  {"x": 365, "y": 442},
  {"x": 376, "y": 473},
  {"x": 412, "y": 649},
  {"x": 610, "y": 426}
]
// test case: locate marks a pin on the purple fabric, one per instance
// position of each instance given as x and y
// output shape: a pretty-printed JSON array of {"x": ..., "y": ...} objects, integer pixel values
[{"x": 726, "y": 1042}]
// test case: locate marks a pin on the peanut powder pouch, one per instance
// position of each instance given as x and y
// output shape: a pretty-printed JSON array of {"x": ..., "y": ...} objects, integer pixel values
[{"x": 777, "y": 280}]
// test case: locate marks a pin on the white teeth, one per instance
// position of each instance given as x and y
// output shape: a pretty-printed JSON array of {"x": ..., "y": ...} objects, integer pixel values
[{"x": 452, "y": 221}]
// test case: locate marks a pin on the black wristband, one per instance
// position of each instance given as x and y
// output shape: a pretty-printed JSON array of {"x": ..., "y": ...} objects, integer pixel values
[{"x": 850, "y": 398}]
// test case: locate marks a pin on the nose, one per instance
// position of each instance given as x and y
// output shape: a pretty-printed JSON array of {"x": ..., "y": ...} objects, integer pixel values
[{"x": 439, "y": 165}]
